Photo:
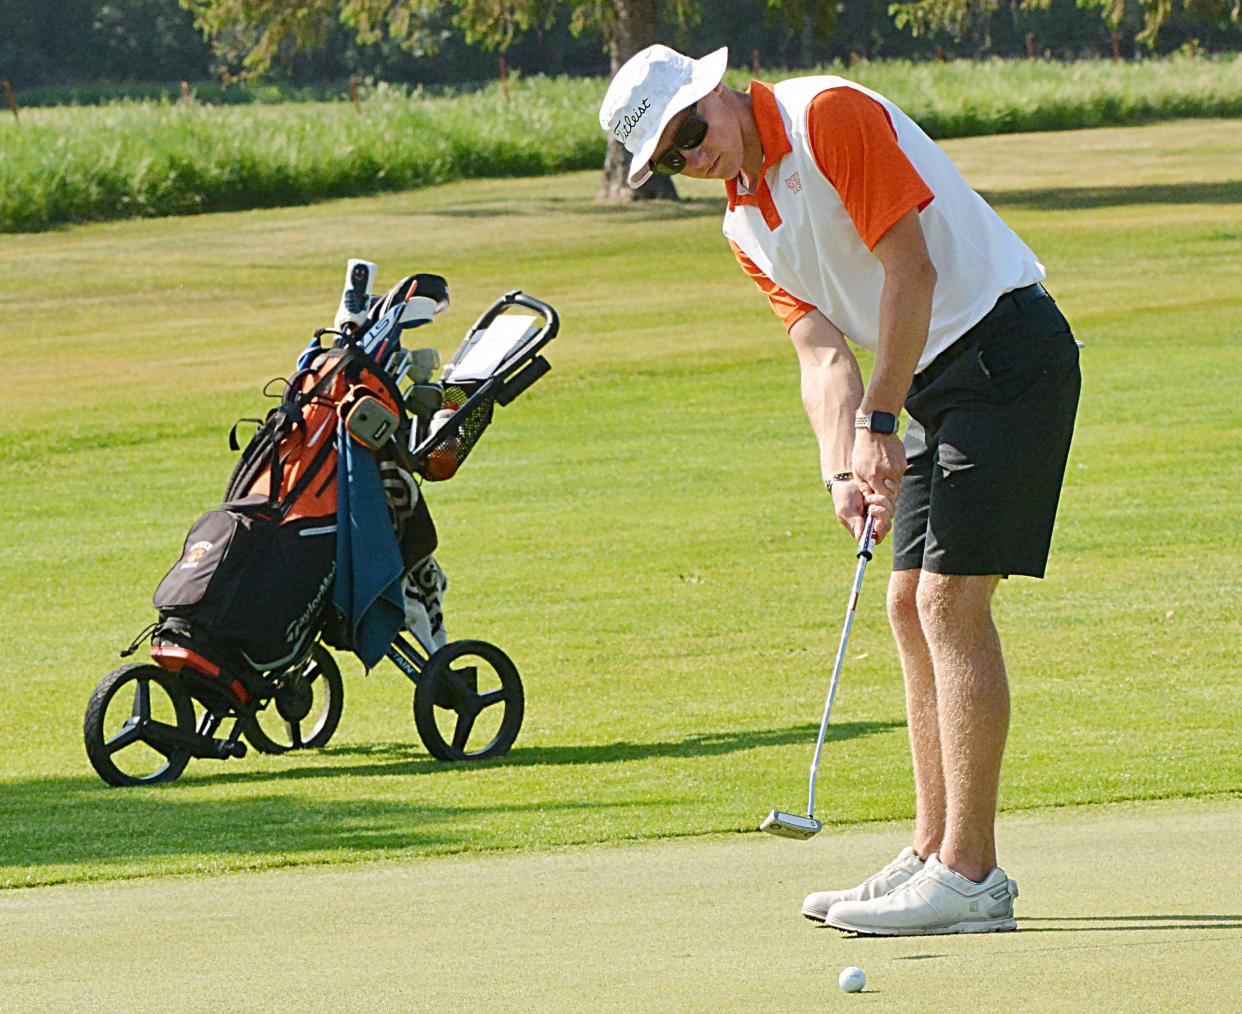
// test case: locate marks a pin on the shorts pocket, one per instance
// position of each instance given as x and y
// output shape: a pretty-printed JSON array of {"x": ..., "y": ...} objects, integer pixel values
[
  {"x": 1012, "y": 366},
  {"x": 953, "y": 462}
]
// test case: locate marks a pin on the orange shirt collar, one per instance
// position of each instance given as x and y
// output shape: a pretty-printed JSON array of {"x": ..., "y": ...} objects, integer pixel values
[{"x": 776, "y": 146}]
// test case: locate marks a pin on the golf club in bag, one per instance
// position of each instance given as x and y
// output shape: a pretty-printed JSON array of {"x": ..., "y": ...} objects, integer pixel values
[{"x": 791, "y": 825}]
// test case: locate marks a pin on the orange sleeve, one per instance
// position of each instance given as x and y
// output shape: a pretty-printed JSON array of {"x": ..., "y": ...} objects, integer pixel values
[
  {"x": 789, "y": 308},
  {"x": 855, "y": 145}
]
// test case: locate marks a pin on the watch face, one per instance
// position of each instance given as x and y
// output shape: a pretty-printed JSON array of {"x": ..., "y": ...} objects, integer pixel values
[{"x": 877, "y": 422}]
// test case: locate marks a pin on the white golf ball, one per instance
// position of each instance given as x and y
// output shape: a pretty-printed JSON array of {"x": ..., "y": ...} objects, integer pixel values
[{"x": 852, "y": 979}]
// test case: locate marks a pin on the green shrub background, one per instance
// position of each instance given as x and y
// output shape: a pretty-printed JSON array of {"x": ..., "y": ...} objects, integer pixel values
[{"x": 144, "y": 158}]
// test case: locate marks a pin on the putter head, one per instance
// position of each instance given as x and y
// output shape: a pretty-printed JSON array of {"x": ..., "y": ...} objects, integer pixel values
[{"x": 790, "y": 825}]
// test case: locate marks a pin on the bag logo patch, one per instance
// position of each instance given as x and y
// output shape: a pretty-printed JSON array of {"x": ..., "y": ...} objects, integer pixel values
[
  {"x": 195, "y": 556},
  {"x": 794, "y": 183},
  {"x": 299, "y": 626}
]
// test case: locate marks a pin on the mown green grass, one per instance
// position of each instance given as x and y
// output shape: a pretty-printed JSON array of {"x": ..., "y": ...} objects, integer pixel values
[
  {"x": 644, "y": 532},
  {"x": 705, "y": 924},
  {"x": 134, "y": 159}
]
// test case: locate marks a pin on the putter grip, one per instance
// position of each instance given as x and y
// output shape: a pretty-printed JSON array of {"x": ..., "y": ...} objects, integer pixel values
[{"x": 866, "y": 544}]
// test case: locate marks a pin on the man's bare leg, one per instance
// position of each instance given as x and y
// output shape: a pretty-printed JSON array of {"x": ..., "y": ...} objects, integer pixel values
[
  {"x": 921, "y": 711},
  {"x": 972, "y": 701}
]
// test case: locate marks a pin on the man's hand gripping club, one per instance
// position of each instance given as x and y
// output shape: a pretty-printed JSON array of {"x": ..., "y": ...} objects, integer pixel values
[{"x": 879, "y": 463}]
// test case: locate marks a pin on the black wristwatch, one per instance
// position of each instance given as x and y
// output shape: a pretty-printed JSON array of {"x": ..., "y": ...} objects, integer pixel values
[{"x": 876, "y": 422}]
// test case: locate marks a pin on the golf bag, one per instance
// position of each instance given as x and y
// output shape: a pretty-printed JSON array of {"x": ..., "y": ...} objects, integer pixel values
[
  {"x": 254, "y": 581},
  {"x": 323, "y": 540}
]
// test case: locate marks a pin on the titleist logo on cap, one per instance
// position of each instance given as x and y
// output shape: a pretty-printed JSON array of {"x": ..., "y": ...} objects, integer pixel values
[{"x": 629, "y": 121}]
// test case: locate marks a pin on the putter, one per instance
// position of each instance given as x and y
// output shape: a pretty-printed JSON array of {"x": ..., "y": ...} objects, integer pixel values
[{"x": 793, "y": 825}]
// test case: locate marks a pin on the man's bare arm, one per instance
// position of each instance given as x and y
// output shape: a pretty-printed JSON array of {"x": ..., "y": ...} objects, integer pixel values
[
  {"x": 905, "y": 315},
  {"x": 832, "y": 390}
]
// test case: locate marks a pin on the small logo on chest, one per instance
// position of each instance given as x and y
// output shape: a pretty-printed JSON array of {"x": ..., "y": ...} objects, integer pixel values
[{"x": 794, "y": 183}]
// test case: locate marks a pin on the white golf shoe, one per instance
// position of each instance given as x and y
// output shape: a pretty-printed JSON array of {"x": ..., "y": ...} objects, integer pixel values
[
  {"x": 934, "y": 900},
  {"x": 906, "y": 865}
]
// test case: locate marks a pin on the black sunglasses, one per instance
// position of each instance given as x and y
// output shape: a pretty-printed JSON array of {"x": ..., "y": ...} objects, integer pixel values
[{"x": 689, "y": 135}]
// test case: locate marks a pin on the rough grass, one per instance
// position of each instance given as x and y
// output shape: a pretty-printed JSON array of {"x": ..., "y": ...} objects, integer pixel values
[
  {"x": 139, "y": 159},
  {"x": 208, "y": 92},
  {"x": 644, "y": 531}
]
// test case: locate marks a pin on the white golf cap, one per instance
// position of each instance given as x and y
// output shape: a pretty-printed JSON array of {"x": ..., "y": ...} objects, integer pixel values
[{"x": 653, "y": 87}]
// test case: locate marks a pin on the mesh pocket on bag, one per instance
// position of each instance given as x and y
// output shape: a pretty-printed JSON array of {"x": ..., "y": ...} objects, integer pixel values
[{"x": 458, "y": 435}]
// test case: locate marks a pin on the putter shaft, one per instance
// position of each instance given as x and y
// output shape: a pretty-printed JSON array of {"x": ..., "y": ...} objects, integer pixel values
[{"x": 865, "y": 547}]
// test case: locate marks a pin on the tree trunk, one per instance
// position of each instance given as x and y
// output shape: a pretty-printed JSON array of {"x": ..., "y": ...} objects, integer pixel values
[
  {"x": 634, "y": 30},
  {"x": 807, "y": 40},
  {"x": 983, "y": 35}
]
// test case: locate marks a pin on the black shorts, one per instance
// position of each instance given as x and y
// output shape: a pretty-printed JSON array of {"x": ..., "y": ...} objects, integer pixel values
[{"x": 991, "y": 421}]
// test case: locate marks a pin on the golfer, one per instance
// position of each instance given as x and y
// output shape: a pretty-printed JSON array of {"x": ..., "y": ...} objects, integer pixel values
[{"x": 855, "y": 225}]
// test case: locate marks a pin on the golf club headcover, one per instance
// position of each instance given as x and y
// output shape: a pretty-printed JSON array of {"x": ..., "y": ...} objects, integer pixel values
[
  {"x": 418, "y": 310},
  {"x": 356, "y": 299}
]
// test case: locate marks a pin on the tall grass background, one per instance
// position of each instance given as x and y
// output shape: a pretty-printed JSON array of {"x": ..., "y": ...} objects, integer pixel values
[
  {"x": 209, "y": 92},
  {"x": 151, "y": 158}
]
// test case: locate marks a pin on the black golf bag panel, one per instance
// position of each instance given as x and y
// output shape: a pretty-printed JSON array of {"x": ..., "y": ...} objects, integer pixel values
[
  {"x": 253, "y": 586},
  {"x": 249, "y": 586}
]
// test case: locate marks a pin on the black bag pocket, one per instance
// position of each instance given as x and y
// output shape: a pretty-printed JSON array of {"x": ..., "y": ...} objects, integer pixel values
[
  {"x": 210, "y": 565},
  {"x": 252, "y": 584}
]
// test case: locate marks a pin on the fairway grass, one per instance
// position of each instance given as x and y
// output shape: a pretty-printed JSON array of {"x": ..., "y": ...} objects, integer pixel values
[
  {"x": 706, "y": 925},
  {"x": 644, "y": 532}
]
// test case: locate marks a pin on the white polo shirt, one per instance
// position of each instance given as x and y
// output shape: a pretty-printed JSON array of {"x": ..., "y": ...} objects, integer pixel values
[{"x": 841, "y": 165}]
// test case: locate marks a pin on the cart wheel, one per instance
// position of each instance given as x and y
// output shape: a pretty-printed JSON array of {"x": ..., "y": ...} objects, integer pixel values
[
  {"x": 305, "y": 712},
  {"x": 471, "y": 691},
  {"x": 128, "y": 700}
]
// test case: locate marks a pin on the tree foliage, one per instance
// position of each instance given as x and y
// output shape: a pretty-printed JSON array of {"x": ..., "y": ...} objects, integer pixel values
[
  {"x": 79, "y": 42},
  {"x": 957, "y": 17},
  {"x": 962, "y": 18},
  {"x": 90, "y": 40},
  {"x": 1156, "y": 14},
  {"x": 249, "y": 34}
]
